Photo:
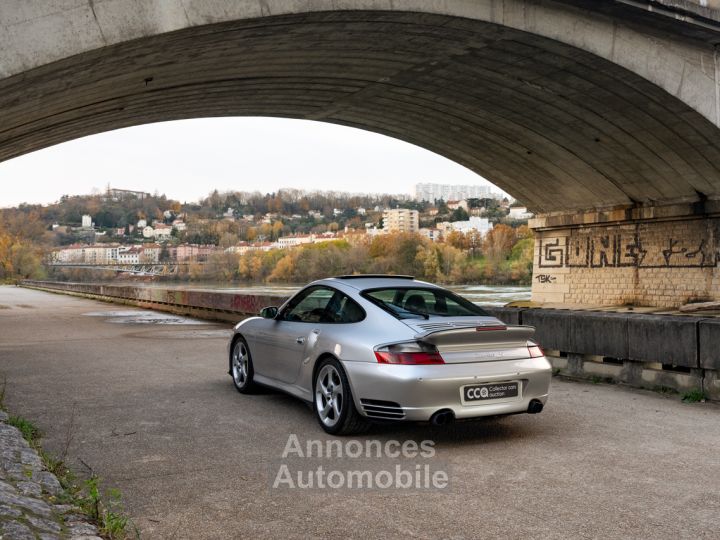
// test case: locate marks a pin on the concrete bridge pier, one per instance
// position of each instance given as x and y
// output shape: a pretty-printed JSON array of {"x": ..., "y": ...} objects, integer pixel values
[{"x": 655, "y": 256}]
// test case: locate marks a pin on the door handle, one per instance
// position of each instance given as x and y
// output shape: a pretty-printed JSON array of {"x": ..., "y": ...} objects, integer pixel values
[{"x": 300, "y": 340}]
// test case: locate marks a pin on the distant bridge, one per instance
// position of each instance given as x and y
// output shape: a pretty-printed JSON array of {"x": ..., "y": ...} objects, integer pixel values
[{"x": 144, "y": 269}]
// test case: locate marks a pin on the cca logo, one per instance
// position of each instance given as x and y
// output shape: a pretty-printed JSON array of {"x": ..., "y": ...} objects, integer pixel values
[{"x": 476, "y": 393}]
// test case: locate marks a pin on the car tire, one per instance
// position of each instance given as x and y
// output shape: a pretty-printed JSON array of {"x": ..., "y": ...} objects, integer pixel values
[
  {"x": 241, "y": 367},
  {"x": 333, "y": 401}
]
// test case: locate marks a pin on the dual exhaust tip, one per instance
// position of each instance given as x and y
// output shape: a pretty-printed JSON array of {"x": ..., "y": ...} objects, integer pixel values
[
  {"x": 444, "y": 417},
  {"x": 535, "y": 406}
]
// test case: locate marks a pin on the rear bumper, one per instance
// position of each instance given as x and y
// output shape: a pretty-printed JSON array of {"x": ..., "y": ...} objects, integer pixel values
[{"x": 421, "y": 391}]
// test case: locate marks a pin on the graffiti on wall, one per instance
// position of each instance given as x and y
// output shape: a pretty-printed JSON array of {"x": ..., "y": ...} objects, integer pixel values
[{"x": 626, "y": 249}]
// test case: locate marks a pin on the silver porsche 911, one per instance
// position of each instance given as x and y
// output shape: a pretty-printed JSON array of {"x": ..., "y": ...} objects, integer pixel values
[{"x": 385, "y": 348}]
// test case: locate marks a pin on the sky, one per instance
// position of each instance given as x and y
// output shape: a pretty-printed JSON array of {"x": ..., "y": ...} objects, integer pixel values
[{"x": 187, "y": 159}]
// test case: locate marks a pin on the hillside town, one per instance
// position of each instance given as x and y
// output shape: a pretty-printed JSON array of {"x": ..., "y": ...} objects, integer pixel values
[
  {"x": 165, "y": 239},
  {"x": 474, "y": 236}
]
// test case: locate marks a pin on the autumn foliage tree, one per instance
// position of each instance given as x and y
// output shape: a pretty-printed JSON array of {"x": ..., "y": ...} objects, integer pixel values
[
  {"x": 499, "y": 242},
  {"x": 395, "y": 253},
  {"x": 20, "y": 251}
]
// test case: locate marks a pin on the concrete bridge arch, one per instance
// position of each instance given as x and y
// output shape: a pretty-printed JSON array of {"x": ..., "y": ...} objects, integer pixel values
[
  {"x": 602, "y": 116},
  {"x": 563, "y": 105}
]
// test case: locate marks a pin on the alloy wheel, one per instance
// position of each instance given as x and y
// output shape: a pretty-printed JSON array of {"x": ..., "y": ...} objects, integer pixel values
[
  {"x": 329, "y": 398},
  {"x": 240, "y": 364}
]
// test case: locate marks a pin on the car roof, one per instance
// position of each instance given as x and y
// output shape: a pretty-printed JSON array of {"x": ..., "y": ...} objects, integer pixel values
[{"x": 364, "y": 282}]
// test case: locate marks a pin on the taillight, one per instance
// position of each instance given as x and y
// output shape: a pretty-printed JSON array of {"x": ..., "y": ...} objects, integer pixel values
[
  {"x": 412, "y": 353},
  {"x": 534, "y": 350}
]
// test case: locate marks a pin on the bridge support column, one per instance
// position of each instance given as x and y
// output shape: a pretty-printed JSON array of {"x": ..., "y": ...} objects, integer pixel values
[{"x": 663, "y": 256}]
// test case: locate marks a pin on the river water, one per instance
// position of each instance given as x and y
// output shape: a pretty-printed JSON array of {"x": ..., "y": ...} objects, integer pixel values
[{"x": 488, "y": 295}]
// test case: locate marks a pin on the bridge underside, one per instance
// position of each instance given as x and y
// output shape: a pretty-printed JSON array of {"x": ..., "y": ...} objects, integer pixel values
[{"x": 557, "y": 127}]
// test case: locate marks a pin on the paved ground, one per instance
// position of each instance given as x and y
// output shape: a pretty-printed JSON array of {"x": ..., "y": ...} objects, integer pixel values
[{"x": 156, "y": 416}]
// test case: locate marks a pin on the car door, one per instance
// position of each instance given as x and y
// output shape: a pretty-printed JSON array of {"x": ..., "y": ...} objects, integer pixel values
[{"x": 295, "y": 327}]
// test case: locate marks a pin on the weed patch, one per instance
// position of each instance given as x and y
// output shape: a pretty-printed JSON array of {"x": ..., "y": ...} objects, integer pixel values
[
  {"x": 694, "y": 396},
  {"x": 29, "y": 431}
]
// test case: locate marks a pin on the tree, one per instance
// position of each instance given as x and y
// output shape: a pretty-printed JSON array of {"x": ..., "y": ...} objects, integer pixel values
[
  {"x": 19, "y": 258},
  {"x": 276, "y": 205},
  {"x": 442, "y": 207},
  {"x": 429, "y": 262},
  {"x": 499, "y": 241},
  {"x": 459, "y": 214},
  {"x": 523, "y": 231},
  {"x": 215, "y": 201},
  {"x": 285, "y": 269},
  {"x": 521, "y": 260},
  {"x": 277, "y": 230},
  {"x": 228, "y": 239},
  {"x": 492, "y": 210},
  {"x": 475, "y": 242},
  {"x": 457, "y": 240},
  {"x": 26, "y": 262}
]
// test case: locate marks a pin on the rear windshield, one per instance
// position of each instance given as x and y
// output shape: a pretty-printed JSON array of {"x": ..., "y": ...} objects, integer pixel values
[{"x": 422, "y": 303}]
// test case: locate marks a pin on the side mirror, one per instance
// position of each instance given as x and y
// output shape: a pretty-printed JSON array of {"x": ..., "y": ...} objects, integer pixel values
[{"x": 269, "y": 312}]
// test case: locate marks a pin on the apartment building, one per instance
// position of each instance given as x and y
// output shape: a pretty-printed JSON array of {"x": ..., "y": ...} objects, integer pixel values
[
  {"x": 449, "y": 192},
  {"x": 401, "y": 220}
]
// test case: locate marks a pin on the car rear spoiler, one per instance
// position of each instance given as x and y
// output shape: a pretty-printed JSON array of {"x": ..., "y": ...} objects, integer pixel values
[{"x": 477, "y": 335}]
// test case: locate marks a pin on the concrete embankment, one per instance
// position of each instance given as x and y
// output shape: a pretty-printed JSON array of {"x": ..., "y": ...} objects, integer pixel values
[
  {"x": 203, "y": 304},
  {"x": 657, "y": 351},
  {"x": 665, "y": 352}
]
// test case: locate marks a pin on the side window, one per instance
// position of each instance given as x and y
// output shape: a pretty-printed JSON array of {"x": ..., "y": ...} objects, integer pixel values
[
  {"x": 350, "y": 311},
  {"x": 310, "y": 306},
  {"x": 323, "y": 305}
]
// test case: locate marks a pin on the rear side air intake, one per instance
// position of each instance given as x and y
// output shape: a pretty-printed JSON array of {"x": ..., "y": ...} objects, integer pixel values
[{"x": 382, "y": 410}]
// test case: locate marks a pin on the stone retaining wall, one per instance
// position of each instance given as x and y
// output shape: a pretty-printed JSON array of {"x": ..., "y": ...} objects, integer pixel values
[{"x": 27, "y": 490}]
